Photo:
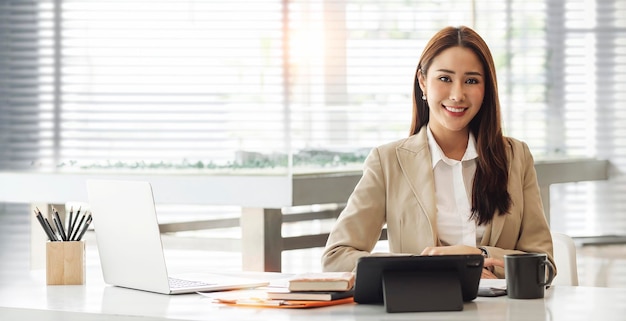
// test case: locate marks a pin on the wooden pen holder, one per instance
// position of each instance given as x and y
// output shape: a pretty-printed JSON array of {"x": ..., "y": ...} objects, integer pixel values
[{"x": 65, "y": 263}]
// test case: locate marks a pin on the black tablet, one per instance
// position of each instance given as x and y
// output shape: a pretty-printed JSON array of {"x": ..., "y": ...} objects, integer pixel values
[{"x": 418, "y": 283}]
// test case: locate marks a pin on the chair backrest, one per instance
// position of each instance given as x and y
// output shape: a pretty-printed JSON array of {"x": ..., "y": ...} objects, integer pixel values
[{"x": 565, "y": 259}]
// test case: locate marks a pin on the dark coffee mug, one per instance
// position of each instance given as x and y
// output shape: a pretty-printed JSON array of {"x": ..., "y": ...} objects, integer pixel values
[{"x": 526, "y": 275}]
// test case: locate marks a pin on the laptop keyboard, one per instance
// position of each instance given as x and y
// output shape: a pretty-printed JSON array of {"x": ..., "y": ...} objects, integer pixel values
[{"x": 179, "y": 283}]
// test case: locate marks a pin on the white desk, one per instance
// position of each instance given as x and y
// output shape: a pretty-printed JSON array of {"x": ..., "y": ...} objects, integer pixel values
[
  {"x": 31, "y": 299},
  {"x": 261, "y": 197}
]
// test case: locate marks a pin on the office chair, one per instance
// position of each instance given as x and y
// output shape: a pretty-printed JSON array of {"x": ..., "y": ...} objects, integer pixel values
[{"x": 565, "y": 259}]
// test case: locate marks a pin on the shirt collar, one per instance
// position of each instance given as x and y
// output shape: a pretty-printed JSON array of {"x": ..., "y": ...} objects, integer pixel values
[{"x": 437, "y": 154}]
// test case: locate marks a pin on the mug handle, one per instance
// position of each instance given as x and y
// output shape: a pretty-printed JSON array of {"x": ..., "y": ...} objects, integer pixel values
[{"x": 547, "y": 265}]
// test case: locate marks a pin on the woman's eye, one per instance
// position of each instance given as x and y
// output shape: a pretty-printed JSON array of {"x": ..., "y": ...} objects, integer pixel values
[
  {"x": 444, "y": 78},
  {"x": 471, "y": 81}
]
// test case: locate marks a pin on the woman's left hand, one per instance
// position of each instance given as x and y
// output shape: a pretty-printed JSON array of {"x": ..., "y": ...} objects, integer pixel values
[{"x": 488, "y": 268}]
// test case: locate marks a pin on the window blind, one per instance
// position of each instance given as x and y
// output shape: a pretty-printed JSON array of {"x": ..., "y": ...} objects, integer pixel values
[
  {"x": 25, "y": 82},
  {"x": 204, "y": 82},
  {"x": 174, "y": 85},
  {"x": 587, "y": 83},
  {"x": 171, "y": 82}
]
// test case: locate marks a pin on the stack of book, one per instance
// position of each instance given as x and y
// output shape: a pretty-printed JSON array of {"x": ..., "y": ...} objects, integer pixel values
[
  {"x": 320, "y": 286},
  {"x": 307, "y": 290}
]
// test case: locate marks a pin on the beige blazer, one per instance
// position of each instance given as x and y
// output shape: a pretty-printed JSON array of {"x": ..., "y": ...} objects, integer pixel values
[{"x": 397, "y": 188}]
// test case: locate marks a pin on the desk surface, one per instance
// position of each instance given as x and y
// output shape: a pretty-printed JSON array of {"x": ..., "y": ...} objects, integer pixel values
[{"x": 31, "y": 299}]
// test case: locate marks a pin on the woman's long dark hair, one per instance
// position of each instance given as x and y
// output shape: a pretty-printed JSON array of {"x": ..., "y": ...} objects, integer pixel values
[{"x": 489, "y": 192}]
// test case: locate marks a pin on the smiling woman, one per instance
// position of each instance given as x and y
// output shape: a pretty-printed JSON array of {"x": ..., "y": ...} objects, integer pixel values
[{"x": 456, "y": 185}]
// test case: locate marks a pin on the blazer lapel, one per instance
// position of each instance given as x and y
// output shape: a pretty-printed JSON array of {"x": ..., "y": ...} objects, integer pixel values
[{"x": 415, "y": 161}]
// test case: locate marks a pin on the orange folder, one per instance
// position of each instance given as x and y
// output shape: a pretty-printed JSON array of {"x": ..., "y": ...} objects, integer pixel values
[{"x": 283, "y": 304}]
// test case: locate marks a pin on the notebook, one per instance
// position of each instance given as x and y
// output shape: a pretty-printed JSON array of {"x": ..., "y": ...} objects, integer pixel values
[{"x": 129, "y": 242}]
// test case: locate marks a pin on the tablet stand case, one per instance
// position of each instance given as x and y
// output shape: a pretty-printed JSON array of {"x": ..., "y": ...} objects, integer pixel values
[{"x": 422, "y": 291}]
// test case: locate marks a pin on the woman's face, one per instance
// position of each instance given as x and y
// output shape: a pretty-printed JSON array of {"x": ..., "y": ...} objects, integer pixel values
[{"x": 454, "y": 86}]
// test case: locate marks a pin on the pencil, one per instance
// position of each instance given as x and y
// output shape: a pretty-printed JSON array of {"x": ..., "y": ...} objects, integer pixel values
[
  {"x": 54, "y": 237},
  {"x": 69, "y": 222},
  {"x": 59, "y": 224},
  {"x": 87, "y": 222},
  {"x": 43, "y": 225},
  {"x": 59, "y": 229},
  {"x": 47, "y": 226},
  {"x": 73, "y": 237},
  {"x": 74, "y": 226}
]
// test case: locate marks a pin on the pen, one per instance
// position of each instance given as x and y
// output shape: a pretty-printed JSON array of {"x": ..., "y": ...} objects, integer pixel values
[
  {"x": 260, "y": 302},
  {"x": 87, "y": 222}
]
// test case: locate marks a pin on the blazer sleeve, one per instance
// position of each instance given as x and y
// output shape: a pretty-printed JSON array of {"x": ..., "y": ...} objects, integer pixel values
[{"x": 358, "y": 227}]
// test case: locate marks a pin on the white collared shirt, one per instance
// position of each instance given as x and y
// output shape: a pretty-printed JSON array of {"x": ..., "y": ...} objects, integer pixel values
[{"x": 453, "y": 190}]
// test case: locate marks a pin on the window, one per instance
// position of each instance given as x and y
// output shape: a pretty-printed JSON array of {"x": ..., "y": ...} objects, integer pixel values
[
  {"x": 240, "y": 86},
  {"x": 587, "y": 46}
]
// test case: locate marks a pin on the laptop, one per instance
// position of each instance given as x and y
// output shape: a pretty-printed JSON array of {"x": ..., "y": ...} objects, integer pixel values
[{"x": 129, "y": 242}]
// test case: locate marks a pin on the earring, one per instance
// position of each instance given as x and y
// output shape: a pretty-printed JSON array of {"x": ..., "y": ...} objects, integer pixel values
[{"x": 424, "y": 97}]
